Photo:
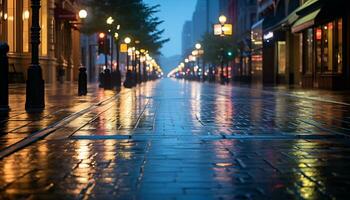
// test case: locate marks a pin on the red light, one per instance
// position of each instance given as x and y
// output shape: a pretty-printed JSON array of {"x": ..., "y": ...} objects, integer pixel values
[
  {"x": 318, "y": 34},
  {"x": 330, "y": 26},
  {"x": 101, "y": 35}
]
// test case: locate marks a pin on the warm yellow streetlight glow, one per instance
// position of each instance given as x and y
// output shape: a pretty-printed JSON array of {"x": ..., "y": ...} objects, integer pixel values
[
  {"x": 198, "y": 46},
  {"x": 101, "y": 35},
  {"x": 194, "y": 53},
  {"x": 127, "y": 40},
  {"x": 116, "y": 35},
  {"x": 83, "y": 14},
  {"x": 110, "y": 20},
  {"x": 26, "y": 15},
  {"x": 222, "y": 19}
]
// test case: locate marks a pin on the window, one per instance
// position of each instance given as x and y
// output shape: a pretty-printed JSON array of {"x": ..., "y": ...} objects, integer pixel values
[
  {"x": 308, "y": 49},
  {"x": 44, "y": 28},
  {"x": 11, "y": 25},
  {"x": 339, "y": 46},
  {"x": 25, "y": 18},
  {"x": 3, "y": 17},
  {"x": 329, "y": 42},
  {"x": 281, "y": 57}
]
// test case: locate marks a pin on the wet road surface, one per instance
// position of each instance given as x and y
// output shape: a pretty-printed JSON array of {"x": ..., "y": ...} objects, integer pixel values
[{"x": 186, "y": 140}]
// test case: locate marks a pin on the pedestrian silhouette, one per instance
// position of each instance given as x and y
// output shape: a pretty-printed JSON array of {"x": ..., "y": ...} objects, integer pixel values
[{"x": 82, "y": 82}]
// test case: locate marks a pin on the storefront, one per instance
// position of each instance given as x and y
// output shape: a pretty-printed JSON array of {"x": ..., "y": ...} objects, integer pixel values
[
  {"x": 15, "y": 31},
  {"x": 56, "y": 36},
  {"x": 257, "y": 52},
  {"x": 324, "y": 28}
]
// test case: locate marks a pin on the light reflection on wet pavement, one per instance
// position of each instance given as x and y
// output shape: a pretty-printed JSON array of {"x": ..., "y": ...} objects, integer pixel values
[{"x": 186, "y": 140}]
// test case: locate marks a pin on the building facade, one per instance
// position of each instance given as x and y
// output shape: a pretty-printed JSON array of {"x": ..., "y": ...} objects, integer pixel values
[
  {"x": 58, "y": 31},
  {"x": 206, "y": 14},
  {"x": 324, "y": 28},
  {"x": 293, "y": 42}
]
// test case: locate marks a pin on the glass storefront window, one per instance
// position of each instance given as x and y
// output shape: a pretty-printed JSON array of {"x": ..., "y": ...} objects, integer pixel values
[
  {"x": 281, "y": 57},
  {"x": 339, "y": 46},
  {"x": 327, "y": 47},
  {"x": 11, "y": 25},
  {"x": 308, "y": 49},
  {"x": 44, "y": 28},
  {"x": 25, "y": 18},
  {"x": 3, "y": 16},
  {"x": 329, "y": 42}
]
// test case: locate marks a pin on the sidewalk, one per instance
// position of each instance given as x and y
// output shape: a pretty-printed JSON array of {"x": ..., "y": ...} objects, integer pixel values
[
  {"x": 61, "y": 101},
  {"x": 188, "y": 140}
]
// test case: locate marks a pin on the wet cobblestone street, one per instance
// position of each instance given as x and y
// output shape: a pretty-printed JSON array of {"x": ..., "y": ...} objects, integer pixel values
[{"x": 172, "y": 139}]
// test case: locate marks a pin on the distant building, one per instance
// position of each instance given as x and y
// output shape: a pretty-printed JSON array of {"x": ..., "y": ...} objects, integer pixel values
[
  {"x": 204, "y": 17},
  {"x": 186, "y": 37}
]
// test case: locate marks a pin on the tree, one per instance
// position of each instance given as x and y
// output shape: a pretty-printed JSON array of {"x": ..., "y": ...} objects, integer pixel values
[
  {"x": 216, "y": 47},
  {"x": 135, "y": 18}
]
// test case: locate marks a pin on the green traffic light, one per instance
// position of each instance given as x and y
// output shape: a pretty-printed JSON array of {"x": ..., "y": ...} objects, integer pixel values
[{"x": 229, "y": 53}]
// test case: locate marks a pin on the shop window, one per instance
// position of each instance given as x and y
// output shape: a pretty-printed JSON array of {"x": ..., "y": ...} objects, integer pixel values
[
  {"x": 44, "y": 28},
  {"x": 329, "y": 42},
  {"x": 308, "y": 49},
  {"x": 281, "y": 57},
  {"x": 11, "y": 25},
  {"x": 339, "y": 46},
  {"x": 3, "y": 18},
  {"x": 25, "y": 18}
]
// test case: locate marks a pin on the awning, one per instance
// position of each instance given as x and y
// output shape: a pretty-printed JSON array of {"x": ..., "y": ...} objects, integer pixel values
[
  {"x": 306, "y": 5},
  {"x": 305, "y": 21},
  {"x": 287, "y": 22},
  {"x": 258, "y": 24}
]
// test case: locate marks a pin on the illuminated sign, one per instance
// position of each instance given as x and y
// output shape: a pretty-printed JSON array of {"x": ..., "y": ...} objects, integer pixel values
[
  {"x": 268, "y": 36},
  {"x": 217, "y": 29},
  {"x": 225, "y": 29},
  {"x": 123, "y": 48}
]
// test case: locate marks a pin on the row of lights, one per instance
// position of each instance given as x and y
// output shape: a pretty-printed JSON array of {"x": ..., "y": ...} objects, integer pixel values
[{"x": 191, "y": 58}]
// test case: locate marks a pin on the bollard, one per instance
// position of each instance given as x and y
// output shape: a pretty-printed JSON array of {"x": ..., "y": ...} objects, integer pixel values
[
  {"x": 82, "y": 82},
  {"x": 128, "y": 80},
  {"x": 4, "y": 82},
  {"x": 116, "y": 78},
  {"x": 108, "y": 79},
  {"x": 101, "y": 78}
]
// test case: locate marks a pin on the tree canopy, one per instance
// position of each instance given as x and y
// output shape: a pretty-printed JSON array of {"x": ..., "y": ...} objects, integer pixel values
[
  {"x": 216, "y": 46},
  {"x": 136, "y": 19}
]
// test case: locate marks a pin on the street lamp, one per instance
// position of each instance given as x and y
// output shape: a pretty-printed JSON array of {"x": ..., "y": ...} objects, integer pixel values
[
  {"x": 222, "y": 19},
  {"x": 198, "y": 46},
  {"x": 127, "y": 40},
  {"x": 35, "y": 87},
  {"x": 110, "y": 20},
  {"x": 83, "y": 14}
]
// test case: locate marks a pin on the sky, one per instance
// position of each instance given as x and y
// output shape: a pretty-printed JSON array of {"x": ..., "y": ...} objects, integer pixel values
[{"x": 174, "y": 13}]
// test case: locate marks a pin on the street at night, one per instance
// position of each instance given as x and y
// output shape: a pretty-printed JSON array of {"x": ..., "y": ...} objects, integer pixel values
[{"x": 174, "y": 99}]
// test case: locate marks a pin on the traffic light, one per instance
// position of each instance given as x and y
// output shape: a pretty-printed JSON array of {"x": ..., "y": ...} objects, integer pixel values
[
  {"x": 101, "y": 43},
  {"x": 229, "y": 54}
]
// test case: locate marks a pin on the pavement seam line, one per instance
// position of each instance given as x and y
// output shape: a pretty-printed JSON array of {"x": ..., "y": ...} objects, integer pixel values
[
  {"x": 51, "y": 128},
  {"x": 139, "y": 117},
  {"x": 76, "y": 130}
]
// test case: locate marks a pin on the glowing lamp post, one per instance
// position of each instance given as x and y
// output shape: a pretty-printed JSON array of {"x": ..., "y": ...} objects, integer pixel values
[
  {"x": 35, "y": 86},
  {"x": 83, "y": 14}
]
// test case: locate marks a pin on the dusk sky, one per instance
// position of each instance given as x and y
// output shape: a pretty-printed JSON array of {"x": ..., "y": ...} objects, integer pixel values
[{"x": 174, "y": 13}]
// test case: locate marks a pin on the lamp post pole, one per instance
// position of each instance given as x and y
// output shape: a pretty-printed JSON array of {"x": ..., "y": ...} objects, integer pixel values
[
  {"x": 35, "y": 96},
  {"x": 118, "y": 76},
  {"x": 222, "y": 67}
]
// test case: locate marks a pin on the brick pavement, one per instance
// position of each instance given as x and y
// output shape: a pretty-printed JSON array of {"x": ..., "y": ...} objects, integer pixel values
[{"x": 185, "y": 140}]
